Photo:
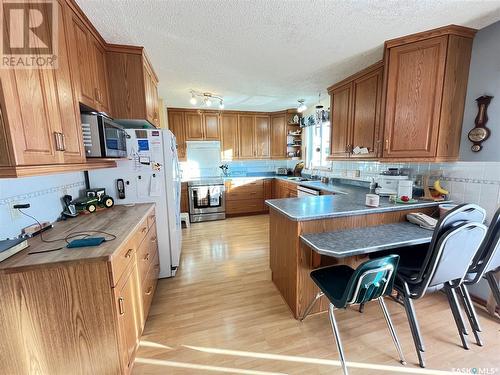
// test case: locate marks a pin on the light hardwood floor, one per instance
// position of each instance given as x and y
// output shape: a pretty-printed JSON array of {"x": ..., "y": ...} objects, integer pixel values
[{"x": 222, "y": 314}]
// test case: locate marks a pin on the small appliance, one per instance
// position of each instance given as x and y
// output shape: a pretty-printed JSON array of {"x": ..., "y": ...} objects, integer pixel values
[
  {"x": 102, "y": 137},
  {"x": 388, "y": 185},
  {"x": 281, "y": 171}
]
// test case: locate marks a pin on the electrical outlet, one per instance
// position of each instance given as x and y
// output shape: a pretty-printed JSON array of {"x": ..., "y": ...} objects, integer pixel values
[
  {"x": 14, "y": 212},
  {"x": 65, "y": 191}
]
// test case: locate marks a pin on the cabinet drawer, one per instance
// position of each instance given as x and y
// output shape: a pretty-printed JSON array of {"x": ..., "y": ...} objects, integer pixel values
[
  {"x": 121, "y": 259},
  {"x": 149, "y": 286},
  {"x": 151, "y": 218},
  {"x": 147, "y": 253},
  {"x": 141, "y": 232},
  {"x": 245, "y": 194},
  {"x": 244, "y": 206}
]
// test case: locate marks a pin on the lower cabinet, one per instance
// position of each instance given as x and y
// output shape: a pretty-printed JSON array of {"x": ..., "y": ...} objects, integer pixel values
[
  {"x": 85, "y": 316},
  {"x": 284, "y": 189},
  {"x": 247, "y": 196}
]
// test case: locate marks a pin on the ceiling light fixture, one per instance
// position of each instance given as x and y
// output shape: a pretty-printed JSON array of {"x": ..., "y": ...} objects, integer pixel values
[
  {"x": 302, "y": 107},
  {"x": 206, "y": 98}
]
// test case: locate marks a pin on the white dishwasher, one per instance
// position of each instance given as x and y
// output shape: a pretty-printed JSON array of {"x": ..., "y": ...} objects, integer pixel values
[{"x": 303, "y": 191}]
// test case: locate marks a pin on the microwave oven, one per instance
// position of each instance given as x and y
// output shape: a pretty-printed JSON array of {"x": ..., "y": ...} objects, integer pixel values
[{"x": 103, "y": 138}]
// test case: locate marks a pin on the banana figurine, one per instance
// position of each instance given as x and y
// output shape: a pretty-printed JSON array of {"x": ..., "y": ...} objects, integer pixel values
[{"x": 439, "y": 189}]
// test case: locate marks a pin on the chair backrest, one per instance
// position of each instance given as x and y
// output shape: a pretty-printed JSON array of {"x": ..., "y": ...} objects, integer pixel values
[
  {"x": 466, "y": 212},
  {"x": 372, "y": 279},
  {"x": 487, "y": 257}
]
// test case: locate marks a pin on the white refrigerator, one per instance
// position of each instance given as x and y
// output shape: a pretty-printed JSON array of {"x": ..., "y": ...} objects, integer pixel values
[{"x": 150, "y": 174}]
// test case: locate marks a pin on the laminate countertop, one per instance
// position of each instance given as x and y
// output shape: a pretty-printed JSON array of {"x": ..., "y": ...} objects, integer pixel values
[
  {"x": 121, "y": 221},
  {"x": 361, "y": 241},
  {"x": 348, "y": 203}
]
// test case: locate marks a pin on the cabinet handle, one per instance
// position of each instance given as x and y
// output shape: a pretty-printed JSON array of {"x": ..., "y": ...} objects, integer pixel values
[
  {"x": 144, "y": 229},
  {"x": 121, "y": 310},
  {"x": 153, "y": 239},
  {"x": 386, "y": 144},
  {"x": 96, "y": 93},
  {"x": 150, "y": 289},
  {"x": 129, "y": 253},
  {"x": 146, "y": 258},
  {"x": 63, "y": 141},
  {"x": 59, "y": 141}
]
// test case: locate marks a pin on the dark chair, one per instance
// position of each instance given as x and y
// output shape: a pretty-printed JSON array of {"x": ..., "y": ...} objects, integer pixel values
[
  {"x": 455, "y": 240},
  {"x": 344, "y": 286},
  {"x": 485, "y": 264}
]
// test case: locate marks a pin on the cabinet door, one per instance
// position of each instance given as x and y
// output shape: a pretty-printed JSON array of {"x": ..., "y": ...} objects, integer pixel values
[
  {"x": 155, "y": 103},
  {"x": 82, "y": 48},
  {"x": 29, "y": 110},
  {"x": 278, "y": 136},
  {"x": 229, "y": 130},
  {"x": 367, "y": 91},
  {"x": 194, "y": 126},
  {"x": 102, "y": 92},
  {"x": 341, "y": 121},
  {"x": 262, "y": 125},
  {"x": 414, "y": 92},
  {"x": 69, "y": 109},
  {"x": 129, "y": 312},
  {"x": 246, "y": 134},
  {"x": 211, "y": 126},
  {"x": 176, "y": 126}
]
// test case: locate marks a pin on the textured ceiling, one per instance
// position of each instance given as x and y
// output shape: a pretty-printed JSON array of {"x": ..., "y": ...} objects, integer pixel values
[{"x": 266, "y": 54}]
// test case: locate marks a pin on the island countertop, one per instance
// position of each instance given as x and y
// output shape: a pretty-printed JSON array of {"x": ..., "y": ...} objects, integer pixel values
[{"x": 351, "y": 203}]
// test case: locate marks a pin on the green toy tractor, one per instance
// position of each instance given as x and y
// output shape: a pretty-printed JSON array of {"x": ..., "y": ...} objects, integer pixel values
[{"x": 93, "y": 198}]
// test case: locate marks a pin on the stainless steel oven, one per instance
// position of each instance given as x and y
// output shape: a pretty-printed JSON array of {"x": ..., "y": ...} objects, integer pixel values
[
  {"x": 206, "y": 200},
  {"x": 102, "y": 137}
]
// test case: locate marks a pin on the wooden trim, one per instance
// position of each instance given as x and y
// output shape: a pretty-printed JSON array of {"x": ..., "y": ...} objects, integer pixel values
[
  {"x": 357, "y": 75},
  {"x": 79, "y": 12},
  {"x": 36, "y": 170},
  {"x": 440, "y": 31},
  {"x": 229, "y": 111},
  {"x": 123, "y": 48}
]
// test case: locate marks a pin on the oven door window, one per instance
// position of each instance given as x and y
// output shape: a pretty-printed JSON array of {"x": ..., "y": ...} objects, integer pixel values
[{"x": 207, "y": 197}]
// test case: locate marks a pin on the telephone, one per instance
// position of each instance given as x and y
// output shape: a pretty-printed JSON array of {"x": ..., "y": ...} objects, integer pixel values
[{"x": 423, "y": 220}]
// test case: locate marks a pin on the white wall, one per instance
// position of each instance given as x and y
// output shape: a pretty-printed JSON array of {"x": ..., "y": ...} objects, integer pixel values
[{"x": 44, "y": 193}]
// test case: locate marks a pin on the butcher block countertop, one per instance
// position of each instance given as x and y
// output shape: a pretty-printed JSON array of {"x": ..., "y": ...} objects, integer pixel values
[{"x": 121, "y": 221}]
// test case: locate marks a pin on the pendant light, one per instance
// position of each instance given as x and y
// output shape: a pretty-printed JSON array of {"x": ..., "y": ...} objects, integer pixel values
[{"x": 302, "y": 107}]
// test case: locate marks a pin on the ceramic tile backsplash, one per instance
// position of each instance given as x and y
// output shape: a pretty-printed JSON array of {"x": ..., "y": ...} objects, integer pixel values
[
  {"x": 236, "y": 168},
  {"x": 473, "y": 182},
  {"x": 44, "y": 193}
]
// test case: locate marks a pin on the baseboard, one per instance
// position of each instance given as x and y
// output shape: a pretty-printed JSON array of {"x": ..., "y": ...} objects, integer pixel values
[{"x": 483, "y": 303}]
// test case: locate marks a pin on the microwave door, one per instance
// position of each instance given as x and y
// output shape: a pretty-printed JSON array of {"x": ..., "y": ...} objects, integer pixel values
[{"x": 114, "y": 140}]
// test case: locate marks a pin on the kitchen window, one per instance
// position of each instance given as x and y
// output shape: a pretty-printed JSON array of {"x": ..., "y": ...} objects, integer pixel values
[{"x": 317, "y": 141}]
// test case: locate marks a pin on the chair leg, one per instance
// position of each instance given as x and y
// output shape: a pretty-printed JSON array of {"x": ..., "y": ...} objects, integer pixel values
[
  {"x": 463, "y": 293},
  {"x": 361, "y": 307},
  {"x": 457, "y": 315},
  {"x": 415, "y": 329},
  {"x": 493, "y": 286},
  {"x": 311, "y": 305},
  {"x": 336, "y": 333},
  {"x": 392, "y": 330}
]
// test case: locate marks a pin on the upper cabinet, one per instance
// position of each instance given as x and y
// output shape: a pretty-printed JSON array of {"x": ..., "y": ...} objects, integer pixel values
[
  {"x": 408, "y": 107},
  {"x": 426, "y": 85},
  {"x": 253, "y": 136},
  {"x": 40, "y": 118},
  {"x": 229, "y": 135},
  {"x": 133, "y": 84},
  {"x": 356, "y": 114},
  {"x": 261, "y": 139},
  {"x": 176, "y": 126},
  {"x": 89, "y": 57},
  {"x": 278, "y": 138},
  {"x": 202, "y": 126}
]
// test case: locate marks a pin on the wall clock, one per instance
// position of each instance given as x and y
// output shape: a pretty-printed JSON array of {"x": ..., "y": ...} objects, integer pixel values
[{"x": 480, "y": 133}]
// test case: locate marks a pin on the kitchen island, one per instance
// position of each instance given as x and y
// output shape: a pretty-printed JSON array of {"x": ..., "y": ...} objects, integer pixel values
[{"x": 291, "y": 260}]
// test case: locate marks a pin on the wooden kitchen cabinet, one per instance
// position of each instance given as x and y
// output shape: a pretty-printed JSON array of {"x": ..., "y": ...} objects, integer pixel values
[
  {"x": 39, "y": 116},
  {"x": 356, "y": 103},
  {"x": 278, "y": 134},
  {"x": 176, "y": 126},
  {"x": 246, "y": 136},
  {"x": 194, "y": 126},
  {"x": 245, "y": 196},
  {"x": 133, "y": 84},
  {"x": 89, "y": 58},
  {"x": 229, "y": 136},
  {"x": 106, "y": 289},
  {"x": 211, "y": 126},
  {"x": 261, "y": 140},
  {"x": 426, "y": 84}
]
